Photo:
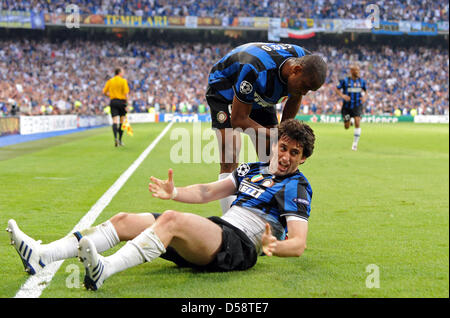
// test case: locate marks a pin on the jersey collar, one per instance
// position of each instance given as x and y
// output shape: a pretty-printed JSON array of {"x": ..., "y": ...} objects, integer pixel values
[{"x": 279, "y": 71}]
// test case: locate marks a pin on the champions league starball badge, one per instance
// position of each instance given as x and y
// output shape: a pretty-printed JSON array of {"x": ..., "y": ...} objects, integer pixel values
[
  {"x": 243, "y": 169},
  {"x": 245, "y": 87}
]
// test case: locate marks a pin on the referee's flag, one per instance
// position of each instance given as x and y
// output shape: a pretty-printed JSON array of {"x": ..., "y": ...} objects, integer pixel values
[{"x": 127, "y": 127}]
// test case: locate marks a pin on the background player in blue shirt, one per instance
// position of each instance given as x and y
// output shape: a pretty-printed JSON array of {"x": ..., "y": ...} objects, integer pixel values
[
  {"x": 271, "y": 197},
  {"x": 243, "y": 89},
  {"x": 352, "y": 92}
]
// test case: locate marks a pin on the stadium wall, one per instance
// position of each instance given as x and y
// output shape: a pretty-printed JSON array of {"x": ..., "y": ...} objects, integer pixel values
[{"x": 27, "y": 125}]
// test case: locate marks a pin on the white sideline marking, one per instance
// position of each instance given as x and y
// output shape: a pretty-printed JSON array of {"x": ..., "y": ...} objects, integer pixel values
[{"x": 34, "y": 286}]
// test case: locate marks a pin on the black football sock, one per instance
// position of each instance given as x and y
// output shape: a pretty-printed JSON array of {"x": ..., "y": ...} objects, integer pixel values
[
  {"x": 120, "y": 132},
  {"x": 114, "y": 127}
]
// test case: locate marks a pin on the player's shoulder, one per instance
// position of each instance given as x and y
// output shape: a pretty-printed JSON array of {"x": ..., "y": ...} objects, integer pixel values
[{"x": 300, "y": 179}]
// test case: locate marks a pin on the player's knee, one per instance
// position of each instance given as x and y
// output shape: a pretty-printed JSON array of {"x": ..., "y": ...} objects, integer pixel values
[
  {"x": 119, "y": 219},
  {"x": 170, "y": 219}
]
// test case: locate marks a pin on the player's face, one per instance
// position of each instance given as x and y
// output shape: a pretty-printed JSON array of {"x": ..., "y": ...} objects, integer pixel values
[
  {"x": 300, "y": 84},
  {"x": 354, "y": 71},
  {"x": 287, "y": 156}
]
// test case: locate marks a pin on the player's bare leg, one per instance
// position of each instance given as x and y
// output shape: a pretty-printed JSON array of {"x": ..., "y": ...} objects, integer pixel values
[
  {"x": 229, "y": 147},
  {"x": 195, "y": 238},
  {"x": 130, "y": 225}
]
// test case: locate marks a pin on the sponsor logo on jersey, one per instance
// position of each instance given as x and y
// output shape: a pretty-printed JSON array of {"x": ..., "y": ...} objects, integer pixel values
[
  {"x": 260, "y": 101},
  {"x": 354, "y": 90},
  {"x": 250, "y": 189}
]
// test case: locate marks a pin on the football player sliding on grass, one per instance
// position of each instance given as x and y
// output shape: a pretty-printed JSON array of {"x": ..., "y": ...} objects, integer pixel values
[{"x": 272, "y": 198}]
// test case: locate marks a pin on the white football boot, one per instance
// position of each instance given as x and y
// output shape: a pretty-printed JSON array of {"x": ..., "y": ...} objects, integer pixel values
[
  {"x": 94, "y": 264},
  {"x": 354, "y": 147},
  {"x": 29, "y": 249}
]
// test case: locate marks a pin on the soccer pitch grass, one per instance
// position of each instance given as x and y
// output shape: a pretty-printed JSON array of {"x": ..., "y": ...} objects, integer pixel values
[{"x": 385, "y": 206}]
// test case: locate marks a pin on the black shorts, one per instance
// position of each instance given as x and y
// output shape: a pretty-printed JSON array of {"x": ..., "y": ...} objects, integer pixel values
[
  {"x": 118, "y": 107},
  {"x": 221, "y": 112},
  {"x": 348, "y": 113},
  {"x": 237, "y": 252}
]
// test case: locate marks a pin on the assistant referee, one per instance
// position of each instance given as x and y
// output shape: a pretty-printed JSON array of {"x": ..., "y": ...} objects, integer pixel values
[{"x": 117, "y": 90}]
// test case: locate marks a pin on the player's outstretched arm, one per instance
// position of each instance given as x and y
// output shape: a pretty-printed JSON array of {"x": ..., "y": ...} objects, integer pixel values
[
  {"x": 296, "y": 244},
  {"x": 196, "y": 193}
]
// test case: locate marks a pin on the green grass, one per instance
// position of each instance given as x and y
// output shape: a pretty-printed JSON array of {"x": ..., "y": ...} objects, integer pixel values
[{"x": 386, "y": 204}]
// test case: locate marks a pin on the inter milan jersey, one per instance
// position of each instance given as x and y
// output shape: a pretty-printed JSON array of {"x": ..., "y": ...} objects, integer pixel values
[
  {"x": 252, "y": 73},
  {"x": 272, "y": 197},
  {"x": 352, "y": 88}
]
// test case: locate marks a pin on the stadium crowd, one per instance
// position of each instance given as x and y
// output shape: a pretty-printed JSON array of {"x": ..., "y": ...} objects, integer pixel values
[
  {"x": 412, "y": 10},
  {"x": 42, "y": 77}
]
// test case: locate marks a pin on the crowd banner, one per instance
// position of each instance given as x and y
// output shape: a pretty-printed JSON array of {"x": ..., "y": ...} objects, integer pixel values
[
  {"x": 9, "y": 126},
  {"x": 406, "y": 27},
  {"x": 442, "y": 27},
  {"x": 136, "y": 21},
  {"x": 191, "y": 22},
  {"x": 21, "y": 20},
  {"x": 290, "y": 28},
  {"x": 273, "y": 33}
]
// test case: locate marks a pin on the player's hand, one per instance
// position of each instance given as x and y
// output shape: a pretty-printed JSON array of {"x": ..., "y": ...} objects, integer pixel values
[
  {"x": 347, "y": 98},
  {"x": 162, "y": 189},
  {"x": 269, "y": 242}
]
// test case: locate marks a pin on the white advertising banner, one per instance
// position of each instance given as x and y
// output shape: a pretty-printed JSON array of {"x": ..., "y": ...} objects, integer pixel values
[
  {"x": 40, "y": 124},
  {"x": 431, "y": 119},
  {"x": 141, "y": 117}
]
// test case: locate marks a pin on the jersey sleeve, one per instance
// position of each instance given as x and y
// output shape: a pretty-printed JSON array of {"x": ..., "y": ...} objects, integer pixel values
[
  {"x": 126, "y": 88},
  {"x": 295, "y": 200},
  {"x": 341, "y": 84},
  {"x": 106, "y": 88},
  {"x": 244, "y": 88},
  {"x": 363, "y": 86}
]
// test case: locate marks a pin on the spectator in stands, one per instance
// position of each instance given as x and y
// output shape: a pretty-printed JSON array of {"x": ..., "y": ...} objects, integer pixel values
[{"x": 163, "y": 76}]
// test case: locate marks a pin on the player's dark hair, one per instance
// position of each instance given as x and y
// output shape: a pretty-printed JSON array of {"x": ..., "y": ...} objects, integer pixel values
[
  {"x": 117, "y": 71},
  {"x": 314, "y": 66},
  {"x": 300, "y": 132}
]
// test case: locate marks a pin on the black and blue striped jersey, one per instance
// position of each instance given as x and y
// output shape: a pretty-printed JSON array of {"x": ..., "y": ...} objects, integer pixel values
[
  {"x": 272, "y": 197},
  {"x": 252, "y": 73},
  {"x": 352, "y": 88}
]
